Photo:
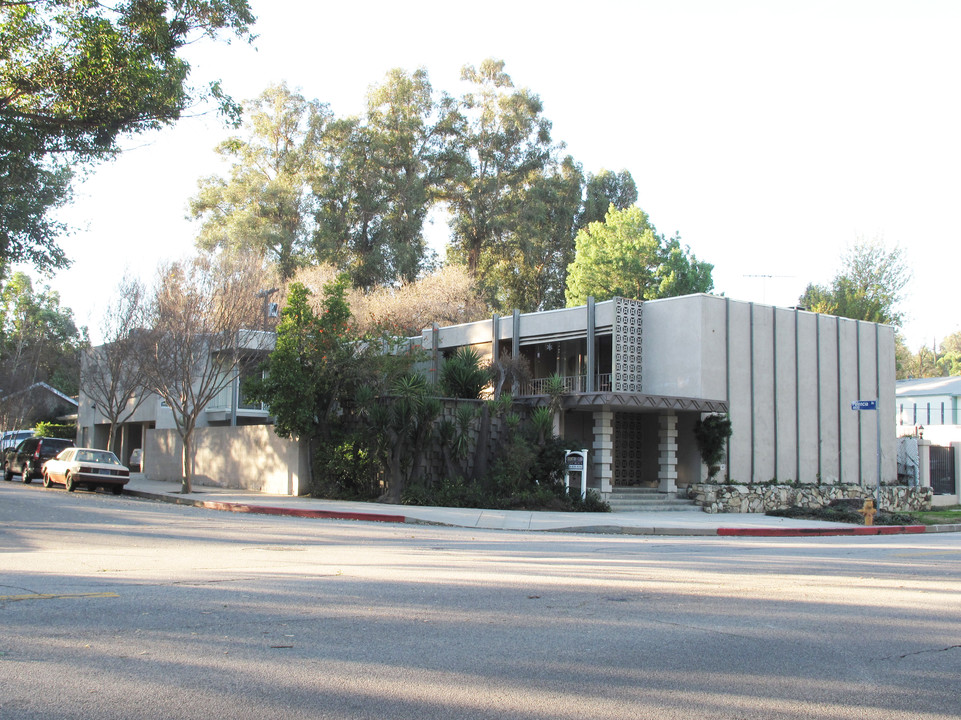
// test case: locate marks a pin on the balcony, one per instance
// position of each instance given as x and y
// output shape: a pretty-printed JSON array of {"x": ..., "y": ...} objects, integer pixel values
[
  {"x": 220, "y": 407},
  {"x": 572, "y": 384}
]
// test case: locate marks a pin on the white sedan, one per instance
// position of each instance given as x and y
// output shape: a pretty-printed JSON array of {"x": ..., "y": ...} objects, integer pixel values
[{"x": 86, "y": 466}]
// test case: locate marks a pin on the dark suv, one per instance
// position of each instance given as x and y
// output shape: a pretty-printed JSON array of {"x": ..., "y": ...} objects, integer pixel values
[{"x": 28, "y": 457}]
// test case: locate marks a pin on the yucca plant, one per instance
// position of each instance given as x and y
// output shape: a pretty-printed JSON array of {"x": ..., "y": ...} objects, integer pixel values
[{"x": 463, "y": 376}]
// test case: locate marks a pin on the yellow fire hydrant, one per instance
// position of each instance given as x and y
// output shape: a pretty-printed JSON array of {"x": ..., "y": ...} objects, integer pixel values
[{"x": 868, "y": 511}]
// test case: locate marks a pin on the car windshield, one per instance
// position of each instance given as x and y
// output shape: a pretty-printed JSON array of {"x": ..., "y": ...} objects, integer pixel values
[{"x": 97, "y": 456}]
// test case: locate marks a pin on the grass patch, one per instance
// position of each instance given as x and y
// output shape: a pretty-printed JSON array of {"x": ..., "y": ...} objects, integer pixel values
[{"x": 941, "y": 516}]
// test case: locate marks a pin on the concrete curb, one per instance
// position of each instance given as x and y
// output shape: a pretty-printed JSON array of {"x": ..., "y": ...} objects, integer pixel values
[
  {"x": 268, "y": 510},
  {"x": 632, "y": 530},
  {"x": 820, "y": 532},
  {"x": 859, "y": 530}
]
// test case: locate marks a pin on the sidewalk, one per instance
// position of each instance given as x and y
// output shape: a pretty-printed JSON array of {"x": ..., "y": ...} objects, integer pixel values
[{"x": 636, "y": 523}]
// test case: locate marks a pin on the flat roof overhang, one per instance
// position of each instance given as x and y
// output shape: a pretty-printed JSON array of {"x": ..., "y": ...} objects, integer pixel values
[{"x": 629, "y": 402}]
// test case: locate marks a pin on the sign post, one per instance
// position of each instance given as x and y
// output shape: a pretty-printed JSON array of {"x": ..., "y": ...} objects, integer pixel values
[
  {"x": 858, "y": 406},
  {"x": 575, "y": 462}
]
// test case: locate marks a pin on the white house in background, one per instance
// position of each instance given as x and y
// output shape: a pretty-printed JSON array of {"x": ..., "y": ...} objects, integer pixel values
[
  {"x": 641, "y": 374},
  {"x": 928, "y": 409},
  {"x": 929, "y": 402}
]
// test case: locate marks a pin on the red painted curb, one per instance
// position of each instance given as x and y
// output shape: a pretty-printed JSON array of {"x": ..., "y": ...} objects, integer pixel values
[
  {"x": 294, "y": 512},
  {"x": 818, "y": 532},
  {"x": 268, "y": 510}
]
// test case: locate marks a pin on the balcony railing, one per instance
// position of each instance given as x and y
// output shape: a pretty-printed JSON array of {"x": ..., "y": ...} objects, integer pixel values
[
  {"x": 572, "y": 383},
  {"x": 224, "y": 401}
]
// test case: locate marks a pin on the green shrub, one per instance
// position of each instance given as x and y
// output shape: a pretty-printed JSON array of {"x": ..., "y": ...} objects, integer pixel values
[
  {"x": 345, "y": 470},
  {"x": 462, "y": 375},
  {"x": 66, "y": 431},
  {"x": 591, "y": 503},
  {"x": 712, "y": 434}
]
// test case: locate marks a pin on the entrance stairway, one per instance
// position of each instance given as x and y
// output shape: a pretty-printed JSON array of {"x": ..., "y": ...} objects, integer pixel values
[{"x": 645, "y": 499}]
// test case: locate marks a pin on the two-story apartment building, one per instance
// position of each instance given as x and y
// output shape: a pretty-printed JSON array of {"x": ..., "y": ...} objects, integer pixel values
[
  {"x": 639, "y": 375},
  {"x": 229, "y": 408}
]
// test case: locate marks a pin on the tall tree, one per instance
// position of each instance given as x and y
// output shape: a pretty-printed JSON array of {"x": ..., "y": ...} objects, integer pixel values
[
  {"x": 114, "y": 373},
  {"x": 949, "y": 359},
  {"x": 527, "y": 269},
  {"x": 869, "y": 286},
  {"x": 505, "y": 141},
  {"x": 603, "y": 190},
  {"x": 680, "y": 272},
  {"x": 412, "y": 133},
  {"x": 319, "y": 365},
  {"x": 265, "y": 205},
  {"x": 39, "y": 342},
  {"x": 200, "y": 315},
  {"x": 625, "y": 256},
  {"x": 376, "y": 179},
  {"x": 75, "y": 77}
]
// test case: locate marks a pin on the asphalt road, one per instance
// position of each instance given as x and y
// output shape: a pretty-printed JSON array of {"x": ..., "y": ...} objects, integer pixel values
[{"x": 121, "y": 608}]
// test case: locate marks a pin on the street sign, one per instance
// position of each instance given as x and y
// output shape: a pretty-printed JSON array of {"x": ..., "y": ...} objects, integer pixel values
[{"x": 858, "y": 406}]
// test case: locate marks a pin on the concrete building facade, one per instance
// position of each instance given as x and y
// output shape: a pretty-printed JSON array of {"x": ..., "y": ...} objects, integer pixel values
[{"x": 639, "y": 376}]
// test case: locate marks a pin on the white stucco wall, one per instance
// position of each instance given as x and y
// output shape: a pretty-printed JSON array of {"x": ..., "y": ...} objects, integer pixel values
[
  {"x": 250, "y": 456},
  {"x": 789, "y": 378}
]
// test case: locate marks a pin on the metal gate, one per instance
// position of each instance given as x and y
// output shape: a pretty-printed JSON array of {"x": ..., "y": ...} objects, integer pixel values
[{"x": 943, "y": 481}]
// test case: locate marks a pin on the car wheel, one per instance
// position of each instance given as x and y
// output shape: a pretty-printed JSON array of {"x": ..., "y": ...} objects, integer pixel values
[
  {"x": 71, "y": 485},
  {"x": 116, "y": 489},
  {"x": 27, "y": 473},
  {"x": 7, "y": 475},
  {"x": 46, "y": 479}
]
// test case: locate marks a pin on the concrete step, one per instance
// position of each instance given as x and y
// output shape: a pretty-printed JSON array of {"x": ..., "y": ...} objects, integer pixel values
[{"x": 641, "y": 499}]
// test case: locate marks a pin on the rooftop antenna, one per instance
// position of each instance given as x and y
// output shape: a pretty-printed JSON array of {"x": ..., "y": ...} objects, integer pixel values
[{"x": 764, "y": 278}]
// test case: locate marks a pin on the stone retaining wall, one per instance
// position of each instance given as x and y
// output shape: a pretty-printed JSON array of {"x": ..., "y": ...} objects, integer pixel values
[{"x": 715, "y": 498}]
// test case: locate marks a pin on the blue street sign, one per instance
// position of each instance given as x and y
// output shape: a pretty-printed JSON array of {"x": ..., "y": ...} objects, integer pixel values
[{"x": 864, "y": 405}]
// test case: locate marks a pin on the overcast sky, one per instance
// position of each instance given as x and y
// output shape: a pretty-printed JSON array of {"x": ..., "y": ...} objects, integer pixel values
[{"x": 771, "y": 135}]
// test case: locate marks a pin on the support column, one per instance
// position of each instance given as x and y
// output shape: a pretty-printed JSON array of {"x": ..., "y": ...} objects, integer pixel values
[
  {"x": 667, "y": 452},
  {"x": 924, "y": 463},
  {"x": 434, "y": 353},
  {"x": 603, "y": 454}
]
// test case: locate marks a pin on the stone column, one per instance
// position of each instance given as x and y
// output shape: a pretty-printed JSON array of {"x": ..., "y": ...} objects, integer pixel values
[
  {"x": 667, "y": 452},
  {"x": 604, "y": 449}
]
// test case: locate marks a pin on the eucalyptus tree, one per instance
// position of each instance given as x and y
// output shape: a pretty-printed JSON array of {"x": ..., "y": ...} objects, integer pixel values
[
  {"x": 377, "y": 177},
  {"x": 265, "y": 204},
  {"x": 504, "y": 141},
  {"x": 527, "y": 269},
  {"x": 603, "y": 190}
]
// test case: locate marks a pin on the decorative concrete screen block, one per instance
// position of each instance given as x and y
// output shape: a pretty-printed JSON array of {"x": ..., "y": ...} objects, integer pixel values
[
  {"x": 628, "y": 321},
  {"x": 628, "y": 450}
]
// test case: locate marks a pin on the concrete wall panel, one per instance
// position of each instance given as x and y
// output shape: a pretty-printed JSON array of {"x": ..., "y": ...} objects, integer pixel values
[
  {"x": 740, "y": 403},
  {"x": 250, "y": 457}
]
